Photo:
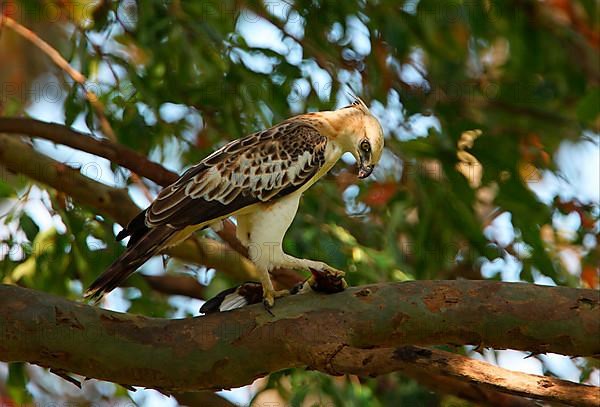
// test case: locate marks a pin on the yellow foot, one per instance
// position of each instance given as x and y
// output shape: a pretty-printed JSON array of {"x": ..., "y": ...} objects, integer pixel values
[{"x": 269, "y": 297}]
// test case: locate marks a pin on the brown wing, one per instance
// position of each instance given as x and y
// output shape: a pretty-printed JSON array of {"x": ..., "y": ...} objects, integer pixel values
[{"x": 256, "y": 168}]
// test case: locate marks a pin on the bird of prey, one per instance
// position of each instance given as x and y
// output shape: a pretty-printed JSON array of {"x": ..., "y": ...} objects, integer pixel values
[{"x": 259, "y": 180}]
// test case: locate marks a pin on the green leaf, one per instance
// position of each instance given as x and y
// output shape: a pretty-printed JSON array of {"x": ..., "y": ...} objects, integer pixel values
[
  {"x": 6, "y": 190},
  {"x": 17, "y": 381},
  {"x": 30, "y": 228},
  {"x": 73, "y": 105},
  {"x": 588, "y": 108}
]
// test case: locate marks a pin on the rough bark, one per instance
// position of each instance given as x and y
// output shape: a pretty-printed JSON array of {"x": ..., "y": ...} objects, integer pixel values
[{"x": 317, "y": 331}]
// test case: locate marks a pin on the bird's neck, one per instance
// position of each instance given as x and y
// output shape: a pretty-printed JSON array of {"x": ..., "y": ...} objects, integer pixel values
[{"x": 340, "y": 126}]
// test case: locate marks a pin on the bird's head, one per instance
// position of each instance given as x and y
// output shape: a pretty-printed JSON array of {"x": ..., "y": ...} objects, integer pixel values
[
  {"x": 352, "y": 129},
  {"x": 364, "y": 138}
]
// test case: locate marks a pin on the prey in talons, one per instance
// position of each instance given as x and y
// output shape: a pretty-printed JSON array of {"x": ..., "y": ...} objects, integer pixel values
[{"x": 251, "y": 292}]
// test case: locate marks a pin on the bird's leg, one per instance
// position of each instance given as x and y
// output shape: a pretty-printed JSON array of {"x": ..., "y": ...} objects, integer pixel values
[
  {"x": 262, "y": 231},
  {"x": 269, "y": 293},
  {"x": 294, "y": 262},
  {"x": 263, "y": 265}
]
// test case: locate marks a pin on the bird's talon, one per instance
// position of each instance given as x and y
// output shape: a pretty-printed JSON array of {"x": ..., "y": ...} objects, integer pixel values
[
  {"x": 268, "y": 306},
  {"x": 269, "y": 300}
]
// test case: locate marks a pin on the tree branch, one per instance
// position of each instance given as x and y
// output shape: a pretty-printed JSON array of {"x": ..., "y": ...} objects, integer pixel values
[
  {"x": 62, "y": 63},
  {"x": 467, "y": 390},
  {"x": 332, "y": 333},
  {"x": 114, "y": 152},
  {"x": 461, "y": 375},
  {"x": 175, "y": 285}
]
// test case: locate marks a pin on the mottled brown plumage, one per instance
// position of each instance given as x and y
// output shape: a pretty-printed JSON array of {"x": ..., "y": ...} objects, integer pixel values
[
  {"x": 256, "y": 168},
  {"x": 259, "y": 179}
]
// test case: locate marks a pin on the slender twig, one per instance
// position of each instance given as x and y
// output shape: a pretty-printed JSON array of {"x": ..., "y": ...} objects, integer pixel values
[
  {"x": 321, "y": 60},
  {"x": 101, "y": 54},
  {"x": 77, "y": 77},
  {"x": 63, "y": 64}
]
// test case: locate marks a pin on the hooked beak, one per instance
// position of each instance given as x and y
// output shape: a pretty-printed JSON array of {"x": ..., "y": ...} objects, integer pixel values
[{"x": 364, "y": 170}]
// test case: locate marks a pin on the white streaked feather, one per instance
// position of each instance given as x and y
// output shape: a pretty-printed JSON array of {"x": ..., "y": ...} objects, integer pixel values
[
  {"x": 259, "y": 167},
  {"x": 232, "y": 301}
]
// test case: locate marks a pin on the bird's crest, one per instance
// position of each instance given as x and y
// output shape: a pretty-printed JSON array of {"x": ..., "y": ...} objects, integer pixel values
[{"x": 357, "y": 102}]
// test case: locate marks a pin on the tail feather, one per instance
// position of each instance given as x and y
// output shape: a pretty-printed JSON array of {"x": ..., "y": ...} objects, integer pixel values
[
  {"x": 136, "y": 228},
  {"x": 134, "y": 256}
]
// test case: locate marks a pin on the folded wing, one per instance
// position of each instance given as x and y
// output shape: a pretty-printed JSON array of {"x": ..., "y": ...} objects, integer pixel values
[{"x": 257, "y": 168}]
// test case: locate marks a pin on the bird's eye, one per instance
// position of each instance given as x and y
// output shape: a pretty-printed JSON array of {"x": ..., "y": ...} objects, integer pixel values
[{"x": 365, "y": 146}]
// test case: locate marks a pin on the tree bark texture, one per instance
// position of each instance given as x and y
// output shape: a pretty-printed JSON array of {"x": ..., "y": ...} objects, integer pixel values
[{"x": 324, "y": 332}]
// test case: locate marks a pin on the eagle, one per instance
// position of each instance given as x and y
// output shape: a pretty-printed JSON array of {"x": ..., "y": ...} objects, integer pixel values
[{"x": 258, "y": 179}]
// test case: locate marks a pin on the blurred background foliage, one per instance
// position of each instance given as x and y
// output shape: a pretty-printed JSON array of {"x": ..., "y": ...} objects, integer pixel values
[{"x": 491, "y": 111}]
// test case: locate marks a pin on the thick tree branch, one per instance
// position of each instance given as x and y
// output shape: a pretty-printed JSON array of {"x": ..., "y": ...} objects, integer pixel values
[
  {"x": 331, "y": 333},
  {"x": 18, "y": 157}
]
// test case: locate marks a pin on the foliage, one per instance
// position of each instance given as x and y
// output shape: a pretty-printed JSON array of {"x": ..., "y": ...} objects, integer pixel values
[{"x": 476, "y": 99}]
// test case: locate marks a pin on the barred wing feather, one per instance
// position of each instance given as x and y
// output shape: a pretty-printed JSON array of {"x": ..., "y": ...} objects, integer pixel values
[
  {"x": 254, "y": 169},
  {"x": 257, "y": 168}
]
